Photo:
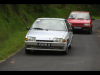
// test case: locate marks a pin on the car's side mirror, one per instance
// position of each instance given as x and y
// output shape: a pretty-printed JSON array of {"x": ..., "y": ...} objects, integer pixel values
[
  {"x": 92, "y": 19},
  {"x": 28, "y": 28},
  {"x": 66, "y": 18}
]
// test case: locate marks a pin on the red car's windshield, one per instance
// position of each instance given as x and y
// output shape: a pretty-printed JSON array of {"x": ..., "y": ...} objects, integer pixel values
[{"x": 79, "y": 15}]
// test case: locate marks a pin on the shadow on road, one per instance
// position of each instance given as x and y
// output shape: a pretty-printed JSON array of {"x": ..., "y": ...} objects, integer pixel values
[
  {"x": 85, "y": 32},
  {"x": 81, "y": 32},
  {"x": 46, "y": 53}
]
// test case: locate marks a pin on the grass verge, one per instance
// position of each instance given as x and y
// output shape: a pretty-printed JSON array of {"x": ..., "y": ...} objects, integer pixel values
[{"x": 11, "y": 45}]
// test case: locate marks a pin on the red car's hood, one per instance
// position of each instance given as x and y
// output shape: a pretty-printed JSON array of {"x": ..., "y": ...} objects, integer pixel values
[{"x": 78, "y": 21}]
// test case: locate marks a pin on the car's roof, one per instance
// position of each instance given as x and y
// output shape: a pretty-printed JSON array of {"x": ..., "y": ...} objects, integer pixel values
[
  {"x": 80, "y": 11},
  {"x": 53, "y": 18}
]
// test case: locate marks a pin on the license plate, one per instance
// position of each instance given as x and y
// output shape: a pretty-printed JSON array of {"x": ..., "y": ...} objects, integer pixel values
[
  {"x": 44, "y": 44},
  {"x": 77, "y": 27}
]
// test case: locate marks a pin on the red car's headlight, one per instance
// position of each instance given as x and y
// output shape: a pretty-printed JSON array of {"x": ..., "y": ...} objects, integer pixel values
[{"x": 86, "y": 24}]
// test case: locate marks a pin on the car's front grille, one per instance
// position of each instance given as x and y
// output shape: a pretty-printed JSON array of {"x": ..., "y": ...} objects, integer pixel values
[{"x": 45, "y": 40}]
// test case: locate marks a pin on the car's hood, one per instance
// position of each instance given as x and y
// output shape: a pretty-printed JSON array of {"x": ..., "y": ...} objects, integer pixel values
[
  {"x": 45, "y": 35},
  {"x": 78, "y": 21}
]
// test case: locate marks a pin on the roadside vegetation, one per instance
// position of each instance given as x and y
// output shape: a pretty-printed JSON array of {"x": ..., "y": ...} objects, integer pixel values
[{"x": 14, "y": 18}]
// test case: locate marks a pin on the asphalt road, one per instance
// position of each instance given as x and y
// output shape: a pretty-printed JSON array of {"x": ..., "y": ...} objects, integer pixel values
[{"x": 83, "y": 56}]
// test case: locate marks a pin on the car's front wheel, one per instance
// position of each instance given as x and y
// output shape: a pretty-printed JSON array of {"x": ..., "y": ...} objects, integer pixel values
[
  {"x": 66, "y": 51},
  {"x": 90, "y": 30},
  {"x": 27, "y": 51}
]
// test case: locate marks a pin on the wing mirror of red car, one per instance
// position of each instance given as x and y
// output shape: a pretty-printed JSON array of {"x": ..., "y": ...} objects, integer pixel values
[
  {"x": 92, "y": 19},
  {"x": 28, "y": 28},
  {"x": 66, "y": 18}
]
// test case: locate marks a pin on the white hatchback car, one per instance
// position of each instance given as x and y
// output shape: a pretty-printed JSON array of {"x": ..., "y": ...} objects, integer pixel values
[{"x": 50, "y": 34}]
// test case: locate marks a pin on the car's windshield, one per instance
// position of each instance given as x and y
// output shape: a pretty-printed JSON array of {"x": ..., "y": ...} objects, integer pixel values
[
  {"x": 79, "y": 15},
  {"x": 50, "y": 24}
]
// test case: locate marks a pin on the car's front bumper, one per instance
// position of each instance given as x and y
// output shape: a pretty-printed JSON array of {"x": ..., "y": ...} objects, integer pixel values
[{"x": 54, "y": 46}]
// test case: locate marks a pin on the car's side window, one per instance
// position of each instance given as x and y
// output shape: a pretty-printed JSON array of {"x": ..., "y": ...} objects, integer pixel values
[{"x": 67, "y": 24}]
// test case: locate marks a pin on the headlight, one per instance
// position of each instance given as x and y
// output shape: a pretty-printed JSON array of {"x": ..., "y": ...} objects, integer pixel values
[
  {"x": 70, "y": 24},
  {"x": 31, "y": 38},
  {"x": 58, "y": 39},
  {"x": 86, "y": 24}
]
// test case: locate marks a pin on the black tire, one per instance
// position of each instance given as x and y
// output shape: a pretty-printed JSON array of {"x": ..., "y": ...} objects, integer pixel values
[
  {"x": 27, "y": 51},
  {"x": 90, "y": 30}
]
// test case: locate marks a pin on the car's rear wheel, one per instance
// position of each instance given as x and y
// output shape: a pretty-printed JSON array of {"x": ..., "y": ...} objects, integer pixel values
[{"x": 27, "y": 51}]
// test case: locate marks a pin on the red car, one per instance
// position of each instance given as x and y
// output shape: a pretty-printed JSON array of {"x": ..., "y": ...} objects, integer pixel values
[{"x": 80, "y": 20}]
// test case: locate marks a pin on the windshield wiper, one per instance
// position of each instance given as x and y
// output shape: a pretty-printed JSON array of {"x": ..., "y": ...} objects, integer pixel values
[
  {"x": 38, "y": 28},
  {"x": 71, "y": 18},
  {"x": 58, "y": 30},
  {"x": 87, "y": 19}
]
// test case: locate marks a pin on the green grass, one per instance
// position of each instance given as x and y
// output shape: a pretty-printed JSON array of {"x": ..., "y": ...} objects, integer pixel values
[
  {"x": 96, "y": 17},
  {"x": 15, "y": 18},
  {"x": 11, "y": 45}
]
